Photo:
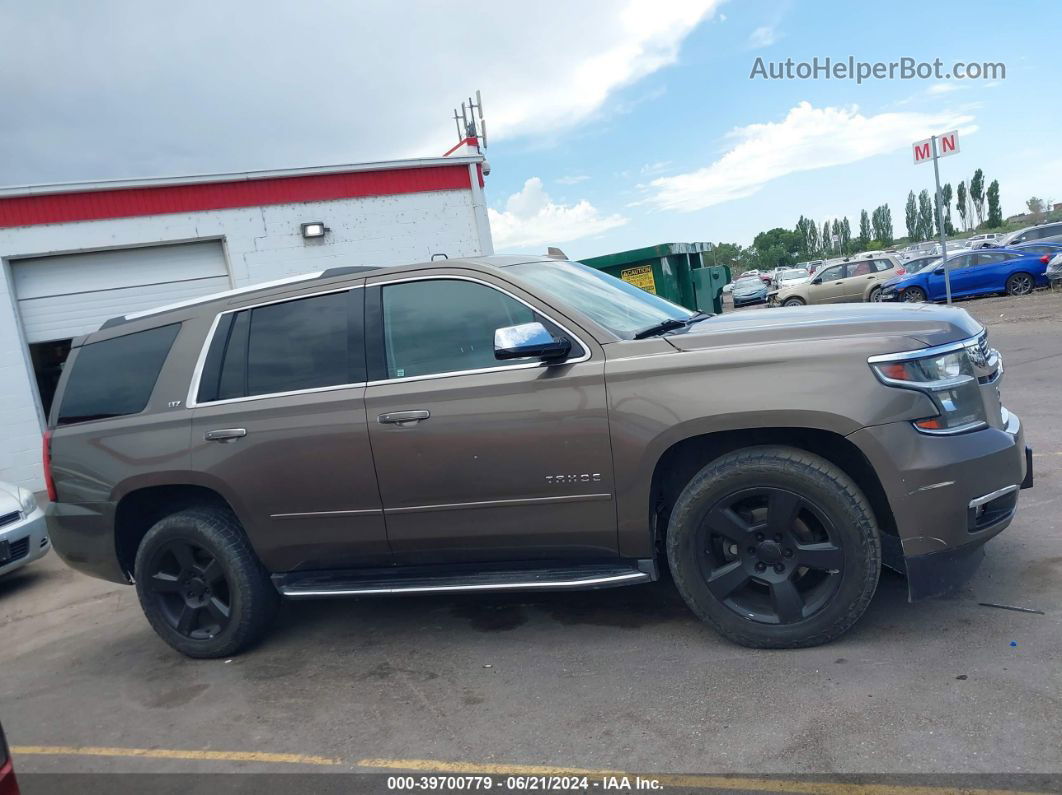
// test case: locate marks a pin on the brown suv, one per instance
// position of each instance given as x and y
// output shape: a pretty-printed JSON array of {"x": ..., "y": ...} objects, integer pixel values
[{"x": 525, "y": 424}]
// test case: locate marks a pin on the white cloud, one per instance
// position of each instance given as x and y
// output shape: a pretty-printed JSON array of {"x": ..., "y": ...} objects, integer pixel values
[
  {"x": 654, "y": 168},
  {"x": 763, "y": 36},
  {"x": 943, "y": 88},
  {"x": 573, "y": 179},
  {"x": 139, "y": 106},
  {"x": 532, "y": 218},
  {"x": 807, "y": 138}
]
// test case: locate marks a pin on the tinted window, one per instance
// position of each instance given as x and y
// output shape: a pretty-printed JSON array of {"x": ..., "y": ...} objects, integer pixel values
[
  {"x": 306, "y": 343},
  {"x": 863, "y": 268},
  {"x": 989, "y": 259},
  {"x": 115, "y": 377},
  {"x": 443, "y": 326}
]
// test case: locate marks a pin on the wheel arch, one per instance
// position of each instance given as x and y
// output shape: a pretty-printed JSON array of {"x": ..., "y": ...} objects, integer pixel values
[
  {"x": 680, "y": 461},
  {"x": 140, "y": 508}
]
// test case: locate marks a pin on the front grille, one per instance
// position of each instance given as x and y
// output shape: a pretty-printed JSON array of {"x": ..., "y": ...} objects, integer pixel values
[
  {"x": 9, "y": 518},
  {"x": 19, "y": 549},
  {"x": 982, "y": 345}
]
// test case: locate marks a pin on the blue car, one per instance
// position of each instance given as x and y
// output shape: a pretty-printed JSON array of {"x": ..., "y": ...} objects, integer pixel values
[{"x": 973, "y": 273}]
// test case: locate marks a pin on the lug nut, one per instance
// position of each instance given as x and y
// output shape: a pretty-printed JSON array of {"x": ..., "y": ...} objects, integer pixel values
[
  {"x": 788, "y": 553},
  {"x": 778, "y": 567},
  {"x": 733, "y": 549},
  {"x": 761, "y": 566}
]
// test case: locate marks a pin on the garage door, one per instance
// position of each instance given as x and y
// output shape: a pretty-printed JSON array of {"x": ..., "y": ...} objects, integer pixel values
[{"x": 72, "y": 294}]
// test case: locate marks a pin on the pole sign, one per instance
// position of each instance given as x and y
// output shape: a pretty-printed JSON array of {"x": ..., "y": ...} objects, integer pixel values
[
  {"x": 947, "y": 144},
  {"x": 934, "y": 148}
]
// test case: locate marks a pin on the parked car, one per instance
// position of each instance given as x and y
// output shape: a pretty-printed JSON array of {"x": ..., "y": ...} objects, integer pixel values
[
  {"x": 754, "y": 272},
  {"x": 791, "y": 277},
  {"x": 1043, "y": 232},
  {"x": 811, "y": 265},
  {"x": 973, "y": 273},
  {"x": 984, "y": 240},
  {"x": 914, "y": 265},
  {"x": 23, "y": 534},
  {"x": 1054, "y": 271},
  {"x": 8, "y": 783},
  {"x": 842, "y": 282},
  {"x": 446, "y": 427},
  {"x": 1043, "y": 249},
  {"x": 749, "y": 290}
]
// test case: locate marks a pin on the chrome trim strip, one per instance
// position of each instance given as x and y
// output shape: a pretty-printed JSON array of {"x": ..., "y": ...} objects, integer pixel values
[
  {"x": 302, "y": 277},
  {"x": 634, "y": 576},
  {"x": 995, "y": 495},
  {"x": 327, "y": 514},
  {"x": 197, "y": 373},
  {"x": 921, "y": 353},
  {"x": 524, "y": 366},
  {"x": 456, "y": 506}
]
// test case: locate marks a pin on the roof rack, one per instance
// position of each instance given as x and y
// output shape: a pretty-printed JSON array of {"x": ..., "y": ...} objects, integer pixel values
[{"x": 329, "y": 273}]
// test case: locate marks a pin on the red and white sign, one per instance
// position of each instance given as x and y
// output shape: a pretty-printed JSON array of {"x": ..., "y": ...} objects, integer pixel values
[{"x": 947, "y": 144}]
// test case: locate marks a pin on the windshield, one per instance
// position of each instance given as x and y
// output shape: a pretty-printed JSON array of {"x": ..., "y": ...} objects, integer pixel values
[
  {"x": 752, "y": 281},
  {"x": 794, "y": 274},
  {"x": 612, "y": 303}
]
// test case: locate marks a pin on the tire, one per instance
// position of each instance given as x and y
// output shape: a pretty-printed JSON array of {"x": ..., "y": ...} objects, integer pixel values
[
  {"x": 1020, "y": 283},
  {"x": 794, "y": 302},
  {"x": 741, "y": 581},
  {"x": 874, "y": 296},
  {"x": 914, "y": 295},
  {"x": 201, "y": 586}
]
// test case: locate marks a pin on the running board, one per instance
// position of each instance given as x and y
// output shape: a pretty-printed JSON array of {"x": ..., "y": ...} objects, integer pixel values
[{"x": 389, "y": 582}]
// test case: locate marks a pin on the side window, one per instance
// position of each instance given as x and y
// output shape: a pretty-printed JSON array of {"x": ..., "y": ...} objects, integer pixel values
[
  {"x": 304, "y": 343},
  {"x": 832, "y": 274},
  {"x": 447, "y": 325},
  {"x": 992, "y": 258},
  {"x": 882, "y": 265},
  {"x": 862, "y": 268},
  {"x": 115, "y": 377}
]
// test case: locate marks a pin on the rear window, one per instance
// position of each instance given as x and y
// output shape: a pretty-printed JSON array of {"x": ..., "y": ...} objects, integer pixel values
[{"x": 115, "y": 377}]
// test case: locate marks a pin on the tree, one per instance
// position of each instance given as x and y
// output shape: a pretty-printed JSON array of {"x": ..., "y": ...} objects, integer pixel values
[
  {"x": 977, "y": 195},
  {"x": 827, "y": 244},
  {"x": 881, "y": 220},
  {"x": 1036, "y": 206},
  {"x": 864, "y": 229},
  {"x": 776, "y": 247},
  {"x": 995, "y": 214},
  {"x": 846, "y": 236},
  {"x": 924, "y": 224},
  {"x": 960, "y": 203},
  {"x": 814, "y": 245},
  {"x": 835, "y": 236},
  {"x": 945, "y": 192},
  {"x": 911, "y": 211},
  {"x": 805, "y": 228}
]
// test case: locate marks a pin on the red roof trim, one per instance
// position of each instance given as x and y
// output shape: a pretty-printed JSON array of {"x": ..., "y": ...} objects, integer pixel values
[{"x": 132, "y": 202}]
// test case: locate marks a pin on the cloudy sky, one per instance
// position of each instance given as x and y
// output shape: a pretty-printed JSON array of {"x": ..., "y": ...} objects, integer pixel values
[{"x": 613, "y": 124}]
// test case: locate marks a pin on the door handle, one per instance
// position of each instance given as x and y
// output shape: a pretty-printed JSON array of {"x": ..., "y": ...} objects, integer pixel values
[
  {"x": 870, "y": 277},
  {"x": 404, "y": 417},
  {"x": 225, "y": 434}
]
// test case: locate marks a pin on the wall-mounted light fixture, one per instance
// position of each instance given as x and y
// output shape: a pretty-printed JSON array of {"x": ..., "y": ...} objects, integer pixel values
[{"x": 314, "y": 229}]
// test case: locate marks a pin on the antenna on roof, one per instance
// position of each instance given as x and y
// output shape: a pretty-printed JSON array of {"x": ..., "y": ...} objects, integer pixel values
[{"x": 466, "y": 121}]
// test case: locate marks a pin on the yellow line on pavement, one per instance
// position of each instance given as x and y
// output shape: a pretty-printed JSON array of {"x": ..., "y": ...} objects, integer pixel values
[
  {"x": 171, "y": 753},
  {"x": 668, "y": 780}
]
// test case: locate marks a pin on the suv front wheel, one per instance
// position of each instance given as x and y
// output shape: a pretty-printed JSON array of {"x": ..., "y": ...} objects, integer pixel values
[
  {"x": 201, "y": 586},
  {"x": 774, "y": 548}
]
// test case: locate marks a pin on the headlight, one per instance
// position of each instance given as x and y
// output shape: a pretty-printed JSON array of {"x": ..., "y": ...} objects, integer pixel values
[
  {"x": 27, "y": 500},
  {"x": 948, "y": 379}
]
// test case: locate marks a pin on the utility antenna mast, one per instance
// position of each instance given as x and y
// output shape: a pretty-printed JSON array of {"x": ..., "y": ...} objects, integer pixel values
[{"x": 466, "y": 121}]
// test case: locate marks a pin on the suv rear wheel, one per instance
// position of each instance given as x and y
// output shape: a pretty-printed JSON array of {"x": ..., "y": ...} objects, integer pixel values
[
  {"x": 774, "y": 548},
  {"x": 200, "y": 585}
]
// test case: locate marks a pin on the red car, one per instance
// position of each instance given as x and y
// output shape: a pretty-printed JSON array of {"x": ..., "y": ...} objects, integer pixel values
[{"x": 8, "y": 784}]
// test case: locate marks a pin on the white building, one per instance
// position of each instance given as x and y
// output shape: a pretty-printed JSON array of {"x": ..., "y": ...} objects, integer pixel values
[{"x": 75, "y": 255}]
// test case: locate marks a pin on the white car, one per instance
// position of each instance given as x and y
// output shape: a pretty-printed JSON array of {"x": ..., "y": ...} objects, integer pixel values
[
  {"x": 23, "y": 536},
  {"x": 790, "y": 277}
]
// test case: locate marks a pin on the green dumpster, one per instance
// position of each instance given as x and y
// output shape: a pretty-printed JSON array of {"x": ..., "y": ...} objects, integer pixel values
[{"x": 675, "y": 271}]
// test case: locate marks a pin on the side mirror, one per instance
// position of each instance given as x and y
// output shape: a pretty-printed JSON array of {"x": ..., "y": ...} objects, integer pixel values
[
  {"x": 939, "y": 271},
  {"x": 817, "y": 280},
  {"x": 529, "y": 340}
]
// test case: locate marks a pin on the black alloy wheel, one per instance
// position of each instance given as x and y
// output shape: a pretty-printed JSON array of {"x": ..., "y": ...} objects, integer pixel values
[
  {"x": 914, "y": 295},
  {"x": 190, "y": 588},
  {"x": 770, "y": 555}
]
